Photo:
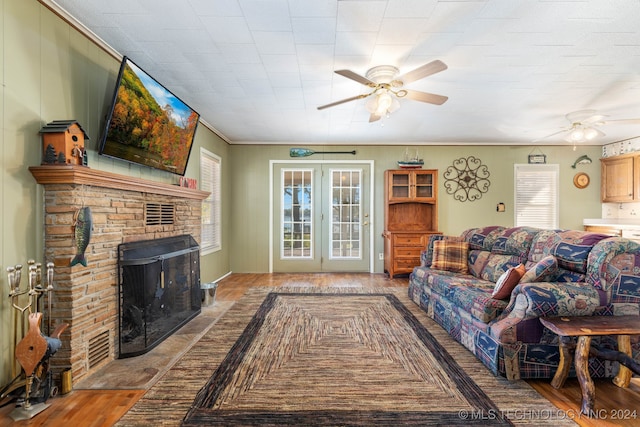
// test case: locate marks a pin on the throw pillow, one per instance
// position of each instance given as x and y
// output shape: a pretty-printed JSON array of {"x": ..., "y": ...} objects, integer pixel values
[
  {"x": 427, "y": 257},
  {"x": 451, "y": 256},
  {"x": 541, "y": 271},
  {"x": 507, "y": 282}
]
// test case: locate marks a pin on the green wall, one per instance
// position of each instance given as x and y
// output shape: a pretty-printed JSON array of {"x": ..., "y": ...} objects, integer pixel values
[{"x": 250, "y": 201}]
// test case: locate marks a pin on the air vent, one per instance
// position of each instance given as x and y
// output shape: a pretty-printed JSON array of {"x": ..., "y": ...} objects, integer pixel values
[
  {"x": 98, "y": 348},
  {"x": 159, "y": 213}
]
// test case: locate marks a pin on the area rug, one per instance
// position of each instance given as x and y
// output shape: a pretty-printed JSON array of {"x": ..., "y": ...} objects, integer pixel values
[{"x": 334, "y": 356}]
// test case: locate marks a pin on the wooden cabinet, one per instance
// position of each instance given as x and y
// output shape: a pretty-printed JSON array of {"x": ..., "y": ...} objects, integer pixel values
[
  {"x": 410, "y": 216},
  {"x": 620, "y": 176},
  {"x": 604, "y": 229},
  {"x": 626, "y": 231}
]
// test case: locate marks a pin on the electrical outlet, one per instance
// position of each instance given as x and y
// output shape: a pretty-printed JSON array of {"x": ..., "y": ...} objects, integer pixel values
[{"x": 381, "y": 256}]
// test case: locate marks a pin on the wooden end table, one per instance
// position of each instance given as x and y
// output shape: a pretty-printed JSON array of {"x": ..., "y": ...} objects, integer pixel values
[{"x": 584, "y": 328}]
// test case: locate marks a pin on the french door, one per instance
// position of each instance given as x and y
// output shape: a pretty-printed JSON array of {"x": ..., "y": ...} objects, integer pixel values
[{"x": 321, "y": 218}]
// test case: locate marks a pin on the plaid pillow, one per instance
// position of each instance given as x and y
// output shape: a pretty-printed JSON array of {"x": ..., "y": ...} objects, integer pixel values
[
  {"x": 507, "y": 282},
  {"x": 450, "y": 255},
  {"x": 428, "y": 255}
]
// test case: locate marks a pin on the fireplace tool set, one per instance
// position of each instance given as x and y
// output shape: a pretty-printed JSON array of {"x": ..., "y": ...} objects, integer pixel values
[{"x": 34, "y": 384}]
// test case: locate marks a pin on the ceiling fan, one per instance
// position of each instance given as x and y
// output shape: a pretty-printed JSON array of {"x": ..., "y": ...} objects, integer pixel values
[
  {"x": 584, "y": 126},
  {"x": 387, "y": 87}
]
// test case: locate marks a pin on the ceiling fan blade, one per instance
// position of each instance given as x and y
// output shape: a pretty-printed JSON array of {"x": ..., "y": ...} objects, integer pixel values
[
  {"x": 423, "y": 71},
  {"x": 596, "y": 120},
  {"x": 552, "y": 134},
  {"x": 580, "y": 115},
  {"x": 623, "y": 121},
  {"x": 374, "y": 117},
  {"x": 426, "y": 97},
  {"x": 357, "y": 77},
  {"x": 342, "y": 101}
]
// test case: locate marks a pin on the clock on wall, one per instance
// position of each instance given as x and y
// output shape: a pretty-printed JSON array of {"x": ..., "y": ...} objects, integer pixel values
[{"x": 581, "y": 180}]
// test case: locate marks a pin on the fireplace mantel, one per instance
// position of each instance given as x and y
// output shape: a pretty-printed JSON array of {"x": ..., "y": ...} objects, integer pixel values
[{"x": 73, "y": 174}]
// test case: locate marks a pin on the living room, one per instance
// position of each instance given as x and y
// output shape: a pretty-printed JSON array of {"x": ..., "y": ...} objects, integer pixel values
[{"x": 54, "y": 70}]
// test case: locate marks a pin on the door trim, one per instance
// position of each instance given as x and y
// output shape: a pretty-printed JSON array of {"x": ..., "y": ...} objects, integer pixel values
[{"x": 335, "y": 162}]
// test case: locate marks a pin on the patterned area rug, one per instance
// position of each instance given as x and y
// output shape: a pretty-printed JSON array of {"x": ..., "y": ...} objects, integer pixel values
[{"x": 334, "y": 356}]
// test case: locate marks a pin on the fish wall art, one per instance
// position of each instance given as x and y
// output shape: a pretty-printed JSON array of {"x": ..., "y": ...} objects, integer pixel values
[{"x": 83, "y": 225}]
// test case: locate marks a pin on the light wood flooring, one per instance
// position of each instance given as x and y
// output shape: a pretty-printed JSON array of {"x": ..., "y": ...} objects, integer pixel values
[{"x": 102, "y": 408}]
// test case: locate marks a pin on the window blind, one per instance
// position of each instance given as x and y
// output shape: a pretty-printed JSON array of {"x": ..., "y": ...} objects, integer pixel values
[
  {"x": 210, "y": 180},
  {"x": 536, "y": 195}
]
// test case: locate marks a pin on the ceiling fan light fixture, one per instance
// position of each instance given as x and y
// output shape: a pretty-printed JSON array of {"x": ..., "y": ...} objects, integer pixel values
[
  {"x": 576, "y": 135},
  {"x": 382, "y": 104},
  {"x": 384, "y": 101},
  {"x": 581, "y": 133},
  {"x": 590, "y": 133}
]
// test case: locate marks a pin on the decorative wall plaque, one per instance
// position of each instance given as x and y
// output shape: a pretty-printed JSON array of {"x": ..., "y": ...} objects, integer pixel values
[
  {"x": 537, "y": 158},
  {"x": 467, "y": 179}
]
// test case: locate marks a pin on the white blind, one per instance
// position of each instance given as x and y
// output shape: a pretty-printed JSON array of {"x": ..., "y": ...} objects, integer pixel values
[
  {"x": 536, "y": 195},
  {"x": 210, "y": 173}
]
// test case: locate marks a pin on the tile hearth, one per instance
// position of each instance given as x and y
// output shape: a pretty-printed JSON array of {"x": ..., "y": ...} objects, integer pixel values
[{"x": 142, "y": 372}]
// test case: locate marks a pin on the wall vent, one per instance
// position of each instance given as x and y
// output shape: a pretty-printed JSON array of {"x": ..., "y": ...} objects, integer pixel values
[
  {"x": 98, "y": 348},
  {"x": 159, "y": 213}
]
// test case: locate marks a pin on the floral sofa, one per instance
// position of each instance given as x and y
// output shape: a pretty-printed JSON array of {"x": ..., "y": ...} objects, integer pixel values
[{"x": 564, "y": 273}]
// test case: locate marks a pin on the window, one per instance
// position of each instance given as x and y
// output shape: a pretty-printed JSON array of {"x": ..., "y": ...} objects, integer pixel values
[
  {"x": 345, "y": 238},
  {"x": 297, "y": 211},
  {"x": 210, "y": 166},
  {"x": 536, "y": 195}
]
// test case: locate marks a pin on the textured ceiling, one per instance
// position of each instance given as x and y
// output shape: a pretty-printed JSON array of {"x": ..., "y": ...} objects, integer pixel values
[{"x": 256, "y": 70}]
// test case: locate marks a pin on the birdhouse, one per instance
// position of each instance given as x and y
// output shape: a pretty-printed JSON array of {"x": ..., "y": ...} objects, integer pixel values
[{"x": 63, "y": 143}]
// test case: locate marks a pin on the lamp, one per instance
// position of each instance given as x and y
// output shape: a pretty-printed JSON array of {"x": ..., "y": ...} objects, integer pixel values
[
  {"x": 576, "y": 135},
  {"x": 590, "y": 133},
  {"x": 581, "y": 133},
  {"x": 382, "y": 104}
]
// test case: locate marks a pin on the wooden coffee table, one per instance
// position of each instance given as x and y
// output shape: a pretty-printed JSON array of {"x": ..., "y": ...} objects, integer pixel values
[{"x": 584, "y": 328}]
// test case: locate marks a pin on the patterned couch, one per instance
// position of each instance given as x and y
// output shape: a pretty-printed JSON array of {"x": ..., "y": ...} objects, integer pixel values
[{"x": 568, "y": 273}]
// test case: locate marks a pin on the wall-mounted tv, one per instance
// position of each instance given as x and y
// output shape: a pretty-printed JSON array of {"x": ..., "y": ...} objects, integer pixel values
[{"x": 147, "y": 124}]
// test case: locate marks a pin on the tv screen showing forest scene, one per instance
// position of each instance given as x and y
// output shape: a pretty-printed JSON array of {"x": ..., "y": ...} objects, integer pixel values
[{"x": 148, "y": 124}]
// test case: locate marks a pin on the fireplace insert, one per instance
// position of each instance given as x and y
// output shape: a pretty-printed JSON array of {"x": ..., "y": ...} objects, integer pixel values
[{"x": 159, "y": 290}]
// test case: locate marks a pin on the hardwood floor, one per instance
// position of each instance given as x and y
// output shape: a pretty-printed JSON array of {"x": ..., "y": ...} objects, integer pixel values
[{"x": 103, "y": 408}]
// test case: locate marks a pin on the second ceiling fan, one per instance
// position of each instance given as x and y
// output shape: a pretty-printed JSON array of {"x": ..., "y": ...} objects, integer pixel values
[
  {"x": 387, "y": 87},
  {"x": 584, "y": 126}
]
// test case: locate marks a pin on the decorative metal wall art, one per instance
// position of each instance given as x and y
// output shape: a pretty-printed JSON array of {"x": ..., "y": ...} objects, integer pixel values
[{"x": 467, "y": 179}]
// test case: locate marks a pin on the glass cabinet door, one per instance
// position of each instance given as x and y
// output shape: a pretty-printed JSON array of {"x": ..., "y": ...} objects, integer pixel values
[
  {"x": 424, "y": 185},
  {"x": 400, "y": 186}
]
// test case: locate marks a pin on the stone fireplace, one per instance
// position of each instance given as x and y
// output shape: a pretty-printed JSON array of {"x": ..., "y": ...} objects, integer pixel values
[{"x": 124, "y": 209}]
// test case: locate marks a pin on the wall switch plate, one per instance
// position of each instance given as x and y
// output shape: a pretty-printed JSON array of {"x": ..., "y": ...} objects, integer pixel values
[{"x": 381, "y": 256}]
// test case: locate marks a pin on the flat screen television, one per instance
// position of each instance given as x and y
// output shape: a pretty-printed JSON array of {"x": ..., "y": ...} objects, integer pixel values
[{"x": 147, "y": 124}]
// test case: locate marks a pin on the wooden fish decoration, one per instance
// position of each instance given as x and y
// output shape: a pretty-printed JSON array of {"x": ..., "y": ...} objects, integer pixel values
[
  {"x": 83, "y": 224},
  {"x": 582, "y": 160}
]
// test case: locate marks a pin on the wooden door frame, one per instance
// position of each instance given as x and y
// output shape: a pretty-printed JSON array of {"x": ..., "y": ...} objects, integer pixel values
[{"x": 371, "y": 163}]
